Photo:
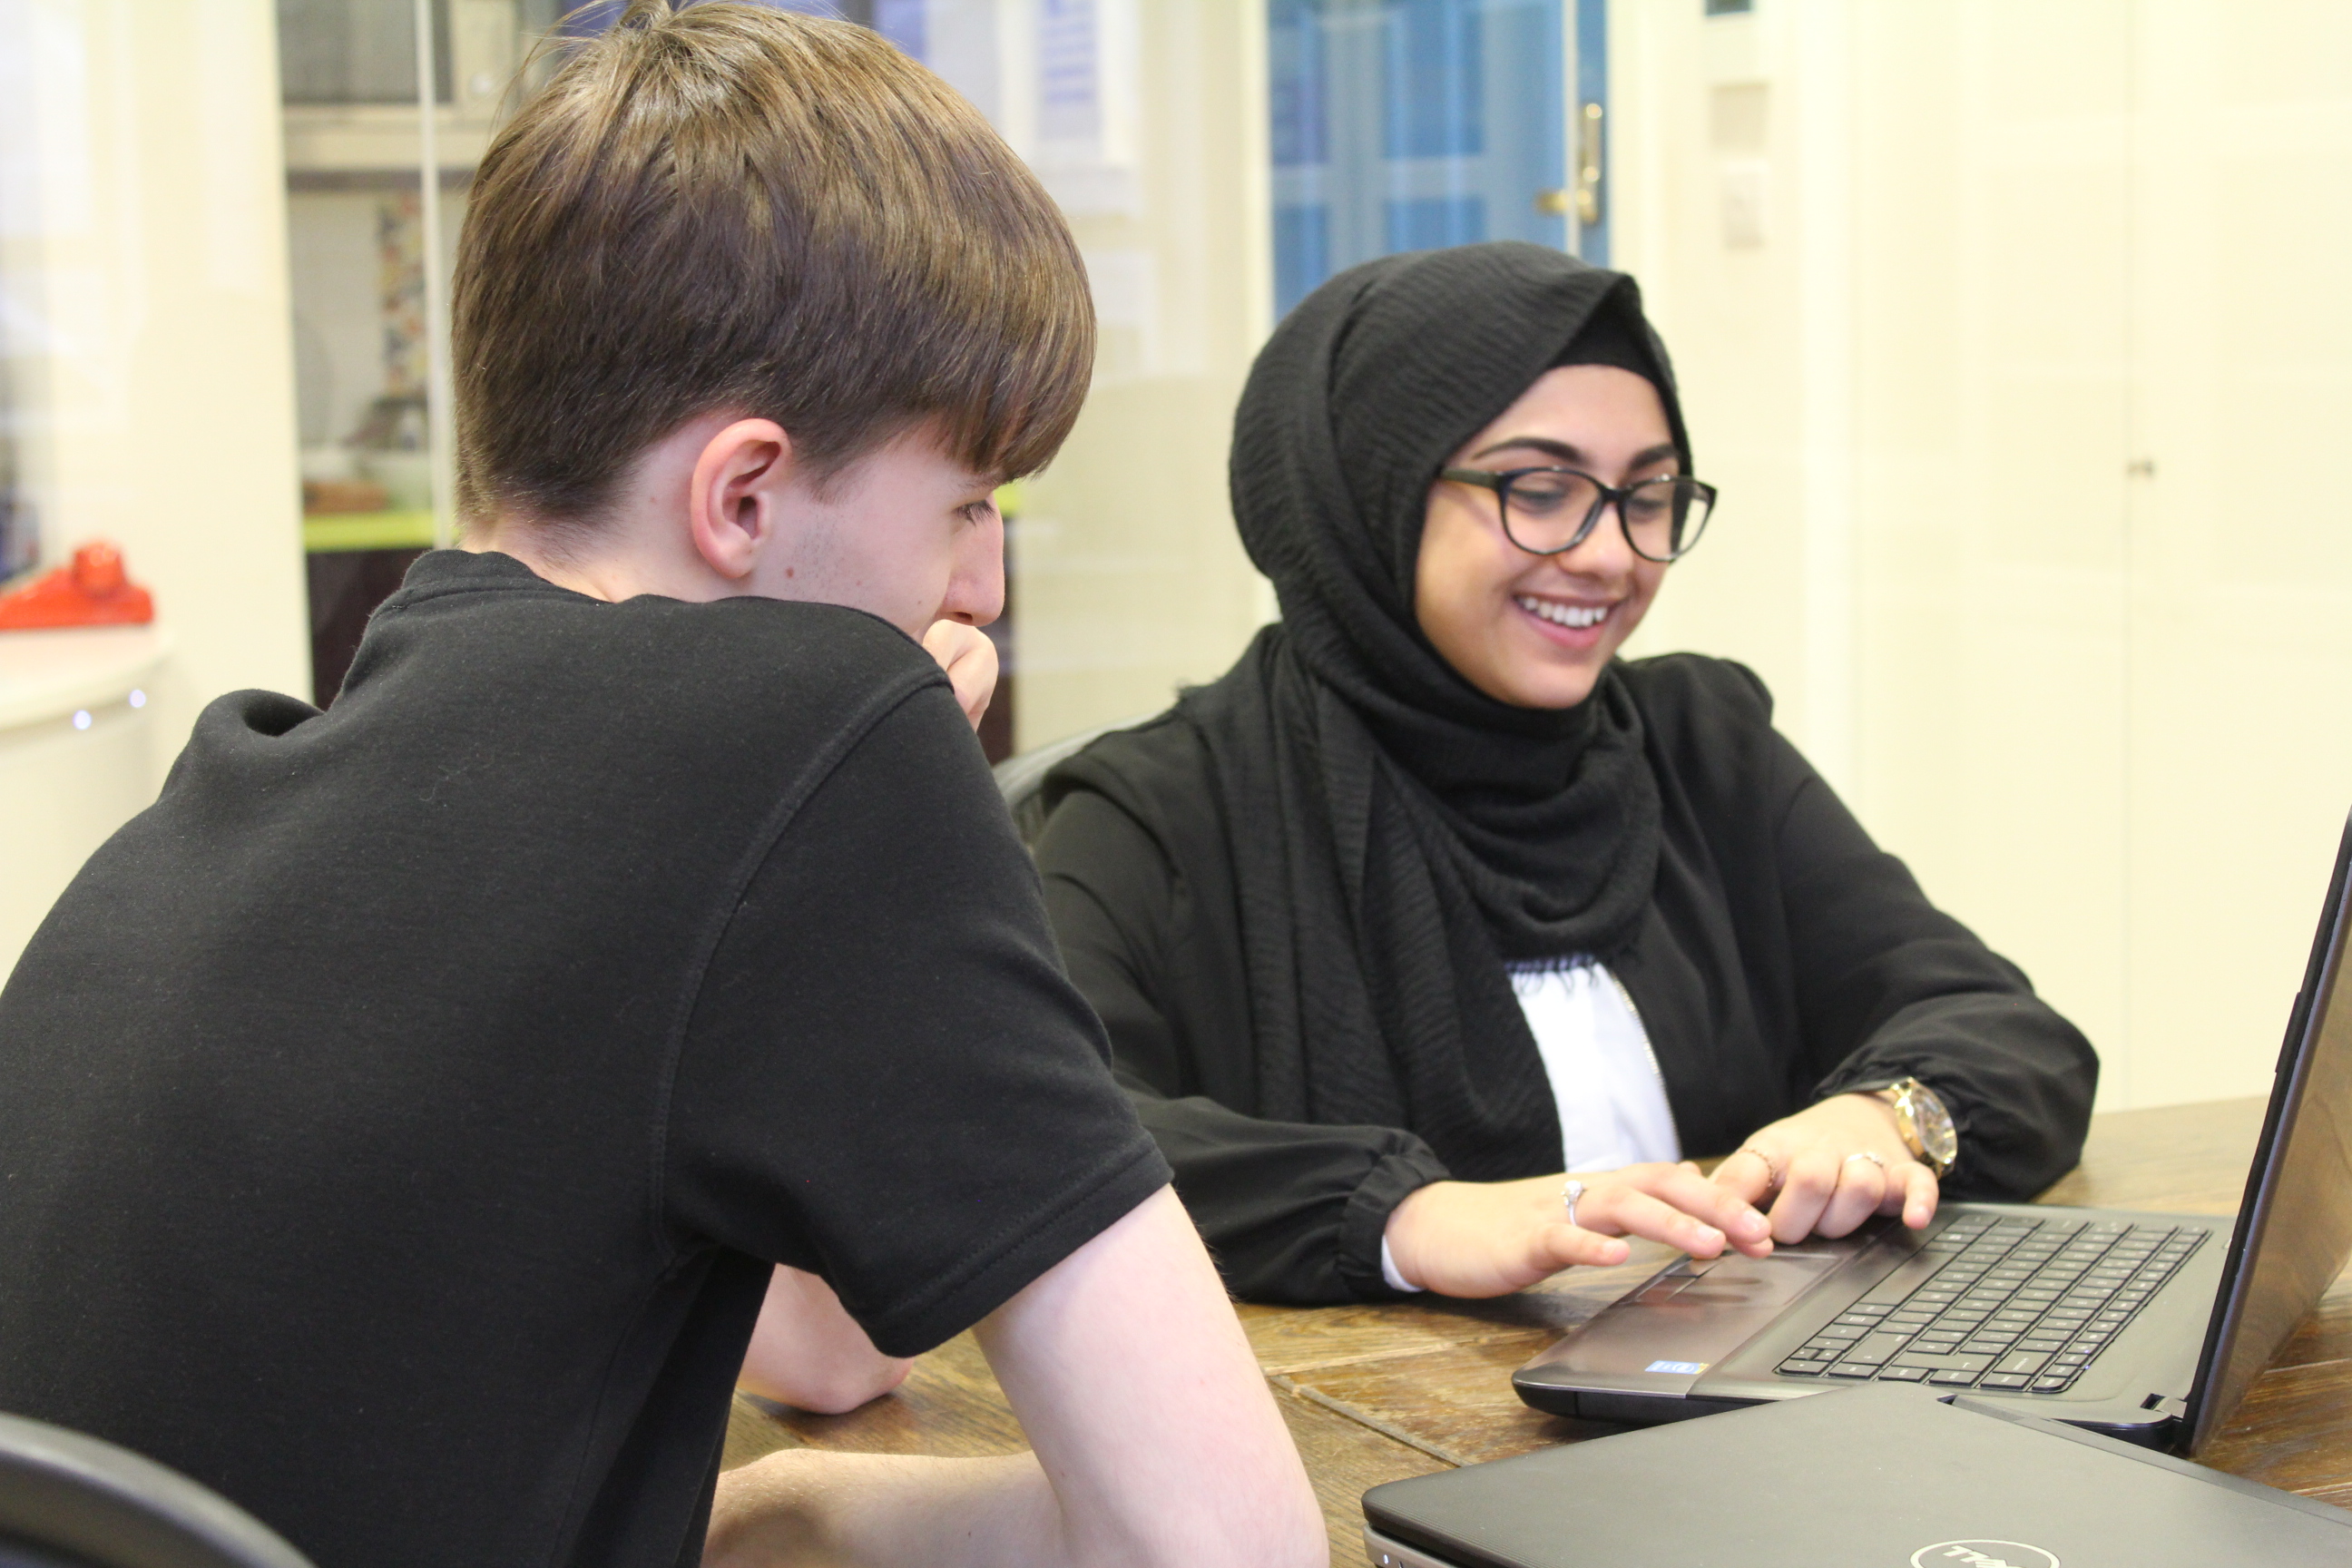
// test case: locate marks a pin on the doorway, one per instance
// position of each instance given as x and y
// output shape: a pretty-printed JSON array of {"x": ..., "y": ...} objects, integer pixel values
[{"x": 1410, "y": 124}]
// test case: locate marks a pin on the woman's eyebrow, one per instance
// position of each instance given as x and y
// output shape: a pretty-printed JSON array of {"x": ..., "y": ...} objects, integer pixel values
[
  {"x": 1569, "y": 454},
  {"x": 1544, "y": 444}
]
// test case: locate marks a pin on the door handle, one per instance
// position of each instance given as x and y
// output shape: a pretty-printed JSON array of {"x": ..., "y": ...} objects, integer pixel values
[{"x": 1590, "y": 165}]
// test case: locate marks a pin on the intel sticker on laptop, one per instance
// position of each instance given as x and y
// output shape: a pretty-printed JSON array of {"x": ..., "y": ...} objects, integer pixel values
[{"x": 1687, "y": 1368}]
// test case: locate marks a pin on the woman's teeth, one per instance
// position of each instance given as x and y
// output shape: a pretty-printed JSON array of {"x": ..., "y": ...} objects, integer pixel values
[{"x": 1564, "y": 615}]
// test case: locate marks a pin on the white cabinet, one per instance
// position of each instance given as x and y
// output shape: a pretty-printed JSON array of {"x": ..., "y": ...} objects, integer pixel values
[
  {"x": 76, "y": 759},
  {"x": 2024, "y": 408}
]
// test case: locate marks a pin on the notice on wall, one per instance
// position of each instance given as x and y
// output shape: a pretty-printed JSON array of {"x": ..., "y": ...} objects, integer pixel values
[{"x": 1087, "y": 95}]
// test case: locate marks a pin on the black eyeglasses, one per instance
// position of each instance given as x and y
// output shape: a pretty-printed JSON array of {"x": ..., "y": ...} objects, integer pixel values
[{"x": 1548, "y": 510}]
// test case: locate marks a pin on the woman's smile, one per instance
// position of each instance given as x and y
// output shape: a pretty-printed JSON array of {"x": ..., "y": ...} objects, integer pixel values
[
  {"x": 1572, "y": 623},
  {"x": 1536, "y": 630}
]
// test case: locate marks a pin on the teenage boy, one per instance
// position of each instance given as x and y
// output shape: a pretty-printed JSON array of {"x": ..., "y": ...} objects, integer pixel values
[{"x": 400, "y": 1120}]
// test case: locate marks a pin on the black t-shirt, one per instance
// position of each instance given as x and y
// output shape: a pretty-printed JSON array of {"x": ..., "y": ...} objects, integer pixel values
[{"x": 398, "y": 1119}]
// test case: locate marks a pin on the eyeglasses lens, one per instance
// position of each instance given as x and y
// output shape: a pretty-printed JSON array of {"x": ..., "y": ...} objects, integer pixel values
[
  {"x": 1543, "y": 511},
  {"x": 1663, "y": 518}
]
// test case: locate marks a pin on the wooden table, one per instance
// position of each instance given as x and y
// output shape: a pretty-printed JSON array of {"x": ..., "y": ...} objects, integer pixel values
[{"x": 1379, "y": 1393}]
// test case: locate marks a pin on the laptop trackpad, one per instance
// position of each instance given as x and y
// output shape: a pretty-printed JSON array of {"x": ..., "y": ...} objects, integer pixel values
[{"x": 1690, "y": 1318}]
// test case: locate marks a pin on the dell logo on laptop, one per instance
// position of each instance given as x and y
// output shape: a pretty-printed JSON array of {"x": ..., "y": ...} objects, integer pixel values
[{"x": 1982, "y": 1554}]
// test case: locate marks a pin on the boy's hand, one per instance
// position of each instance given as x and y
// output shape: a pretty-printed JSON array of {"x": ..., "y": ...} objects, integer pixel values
[{"x": 969, "y": 657}]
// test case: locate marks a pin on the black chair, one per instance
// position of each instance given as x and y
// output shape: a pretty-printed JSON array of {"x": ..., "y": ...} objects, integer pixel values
[
  {"x": 71, "y": 1501},
  {"x": 1020, "y": 779}
]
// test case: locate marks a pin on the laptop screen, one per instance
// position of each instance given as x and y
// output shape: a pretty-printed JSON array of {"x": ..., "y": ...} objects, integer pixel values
[{"x": 2294, "y": 1228}]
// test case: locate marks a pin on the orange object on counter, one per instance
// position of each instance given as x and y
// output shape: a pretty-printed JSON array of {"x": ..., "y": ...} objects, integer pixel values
[{"x": 92, "y": 592}]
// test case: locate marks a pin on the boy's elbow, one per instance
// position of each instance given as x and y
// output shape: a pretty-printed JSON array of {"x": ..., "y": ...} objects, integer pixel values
[
  {"x": 852, "y": 1386},
  {"x": 832, "y": 1388}
]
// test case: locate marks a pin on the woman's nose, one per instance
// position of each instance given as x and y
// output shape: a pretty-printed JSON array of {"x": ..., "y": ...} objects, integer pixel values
[{"x": 1604, "y": 553}]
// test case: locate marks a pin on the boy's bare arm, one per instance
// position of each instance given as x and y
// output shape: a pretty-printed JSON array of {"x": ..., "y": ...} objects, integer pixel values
[
  {"x": 806, "y": 1351},
  {"x": 1156, "y": 1443}
]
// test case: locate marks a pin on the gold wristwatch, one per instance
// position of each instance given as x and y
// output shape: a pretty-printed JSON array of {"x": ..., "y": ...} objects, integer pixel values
[{"x": 1925, "y": 1123}]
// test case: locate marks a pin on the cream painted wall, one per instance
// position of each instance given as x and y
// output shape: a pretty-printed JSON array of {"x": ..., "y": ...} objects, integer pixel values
[
  {"x": 1128, "y": 577},
  {"x": 2019, "y": 391},
  {"x": 143, "y": 269},
  {"x": 165, "y": 418}
]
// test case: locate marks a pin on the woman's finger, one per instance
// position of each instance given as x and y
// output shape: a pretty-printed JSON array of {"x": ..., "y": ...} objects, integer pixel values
[
  {"x": 1862, "y": 1184},
  {"x": 1564, "y": 1246},
  {"x": 1921, "y": 1191},
  {"x": 1713, "y": 1204},
  {"x": 1624, "y": 1209},
  {"x": 1750, "y": 1172},
  {"x": 1812, "y": 1177}
]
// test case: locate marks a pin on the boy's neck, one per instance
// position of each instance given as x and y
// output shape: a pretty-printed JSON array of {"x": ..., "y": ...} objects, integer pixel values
[
  {"x": 607, "y": 574},
  {"x": 641, "y": 541}
]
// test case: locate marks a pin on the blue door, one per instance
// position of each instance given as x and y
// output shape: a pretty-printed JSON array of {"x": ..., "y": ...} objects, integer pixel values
[{"x": 1406, "y": 124}]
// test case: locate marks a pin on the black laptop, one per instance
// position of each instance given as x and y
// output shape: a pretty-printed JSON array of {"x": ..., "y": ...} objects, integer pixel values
[
  {"x": 1876, "y": 1476},
  {"x": 2145, "y": 1326}
]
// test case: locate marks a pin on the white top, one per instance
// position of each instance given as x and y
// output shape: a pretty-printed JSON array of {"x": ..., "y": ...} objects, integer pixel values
[
  {"x": 1604, "y": 1077},
  {"x": 1613, "y": 1099}
]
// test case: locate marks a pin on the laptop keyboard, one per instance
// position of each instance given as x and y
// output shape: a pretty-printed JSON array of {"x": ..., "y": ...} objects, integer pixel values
[{"x": 2010, "y": 1304}]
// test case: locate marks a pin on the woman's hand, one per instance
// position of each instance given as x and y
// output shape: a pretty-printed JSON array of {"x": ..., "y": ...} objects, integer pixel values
[
  {"x": 1489, "y": 1238},
  {"x": 969, "y": 657},
  {"x": 1821, "y": 1163}
]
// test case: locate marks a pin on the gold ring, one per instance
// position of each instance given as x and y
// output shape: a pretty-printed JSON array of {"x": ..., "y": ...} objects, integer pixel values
[
  {"x": 1865, "y": 1154},
  {"x": 1771, "y": 1172}
]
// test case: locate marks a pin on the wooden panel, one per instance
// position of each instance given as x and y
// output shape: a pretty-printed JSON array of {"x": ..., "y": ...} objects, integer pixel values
[
  {"x": 949, "y": 1405},
  {"x": 2325, "y": 1336},
  {"x": 1344, "y": 1459},
  {"x": 2189, "y": 1158},
  {"x": 1374, "y": 1394},
  {"x": 952, "y": 1405},
  {"x": 1455, "y": 1405},
  {"x": 2295, "y": 1429},
  {"x": 1290, "y": 1339},
  {"x": 752, "y": 1433}
]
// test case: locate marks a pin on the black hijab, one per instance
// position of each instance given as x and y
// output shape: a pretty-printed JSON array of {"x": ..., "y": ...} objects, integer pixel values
[{"x": 1397, "y": 834}]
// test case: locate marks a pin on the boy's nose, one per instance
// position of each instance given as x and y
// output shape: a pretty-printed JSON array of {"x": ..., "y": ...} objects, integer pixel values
[{"x": 976, "y": 593}]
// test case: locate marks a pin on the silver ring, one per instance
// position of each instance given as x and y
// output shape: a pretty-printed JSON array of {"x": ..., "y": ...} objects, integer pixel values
[
  {"x": 1569, "y": 1195},
  {"x": 1865, "y": 1154}
]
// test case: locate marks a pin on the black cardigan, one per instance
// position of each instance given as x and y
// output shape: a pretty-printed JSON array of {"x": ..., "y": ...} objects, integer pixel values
[{"x": 1783, "y": 958}]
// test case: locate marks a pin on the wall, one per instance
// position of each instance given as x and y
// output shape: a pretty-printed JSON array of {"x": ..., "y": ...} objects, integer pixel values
[
  {"x": 2009, "y": 330},
  {"x": 1128, "y": 577},
  {"x": 147, "y": 297},
  {"x": 142, "y": 278}
]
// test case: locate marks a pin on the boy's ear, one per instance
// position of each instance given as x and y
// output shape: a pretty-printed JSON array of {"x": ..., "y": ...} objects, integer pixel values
[{"x": 734, "y": 503}]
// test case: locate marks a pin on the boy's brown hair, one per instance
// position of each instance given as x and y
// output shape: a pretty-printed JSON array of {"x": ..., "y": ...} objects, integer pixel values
[{"x": 732, "y": 207}]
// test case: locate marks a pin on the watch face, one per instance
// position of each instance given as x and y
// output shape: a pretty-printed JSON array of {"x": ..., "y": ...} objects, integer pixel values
[{"x": 1934, "y": 1123}]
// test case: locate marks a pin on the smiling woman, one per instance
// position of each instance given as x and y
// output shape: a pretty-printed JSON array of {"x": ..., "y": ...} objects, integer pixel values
[
  {"x": 1516, "y": 586},
  {"x": 1432, "y": 900}
]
